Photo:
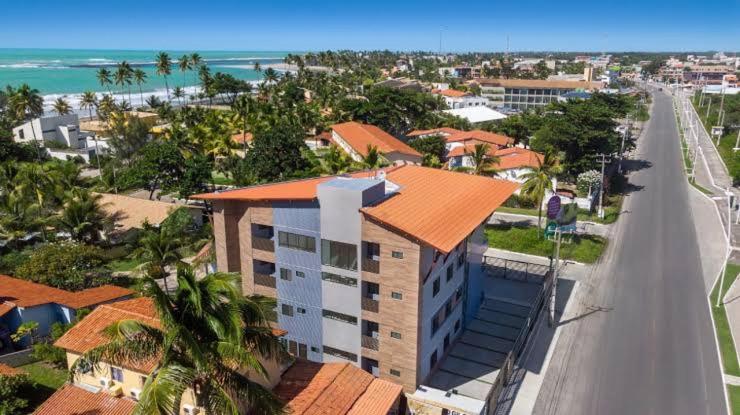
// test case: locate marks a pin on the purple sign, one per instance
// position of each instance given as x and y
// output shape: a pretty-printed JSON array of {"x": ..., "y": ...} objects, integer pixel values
[{"x": 553, "y": 207}]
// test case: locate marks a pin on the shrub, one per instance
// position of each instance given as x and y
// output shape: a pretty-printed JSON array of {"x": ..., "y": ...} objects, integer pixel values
[
  {"x": 587, "y": 181},
  {"x": 69, "y": 266},
  {"x": 11, "y": 388}
]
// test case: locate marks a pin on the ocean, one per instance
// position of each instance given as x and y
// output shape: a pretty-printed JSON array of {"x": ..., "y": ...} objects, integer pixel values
[{"x": 67, "y": 72}]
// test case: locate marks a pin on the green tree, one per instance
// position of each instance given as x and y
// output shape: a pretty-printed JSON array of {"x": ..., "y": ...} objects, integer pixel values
[
  {"x": 178, "y": 93},
  {"x": 539, "y": 181},
  {"x": 88, "y": 101},
  {"x": 159, "y": 166},
  {"x": 210, "y": 334},
  {"x": 12, "y": 388},
  {"x": 196, "y": 176},
  {"x": 82, "y": 216},
  {"x": 432, "y": 145},
  {"x": 140, "y": 78},
  {"x": 483, "y": 161},
  {"x": 26, "y": 103},
  {"x": 185, "y": 65},
  {"x": 163, "y": 64},
  {"x": 158, "y": 249},
  {"x": 104, "y": 78},
  {"x": 373, "y": 159},
  {"x": 66, "y": 265},
  {"x": 61, "y": 106},
  {"x": 336, "y": 161},
  {"x": 277, "y": 153}
]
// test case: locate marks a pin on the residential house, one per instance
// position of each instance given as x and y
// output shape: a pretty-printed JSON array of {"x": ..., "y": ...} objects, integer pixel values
[
  {"x": 524, "y": 94},
  {"x": 377, "y": 269},
  {"x": 460, "y": 99},
  {"x": 401, "y": 84},
  {"x": 356, "y": 138},
  {"x": 60, "y": 135},
  {"x": 513, "y": 163},
  {"x": 471, "y": 138},
  {"x": 442, "y": 131},
  {"x": 23, "y": 301}
]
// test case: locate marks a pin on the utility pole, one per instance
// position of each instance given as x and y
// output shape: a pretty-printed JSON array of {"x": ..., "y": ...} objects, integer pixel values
[
  {"x": 709, "y": 107},
  {"x": 601, "y": 190},
  {"x": 730, "y": 201},
  {"x": 621, "y": 149},
  {"x": 556, "y": 269}
]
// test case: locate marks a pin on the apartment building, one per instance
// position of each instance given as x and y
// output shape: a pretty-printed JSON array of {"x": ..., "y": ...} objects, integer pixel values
[
  {"x": 524, "y": 94},
  {"x": 377, "y": 269}
]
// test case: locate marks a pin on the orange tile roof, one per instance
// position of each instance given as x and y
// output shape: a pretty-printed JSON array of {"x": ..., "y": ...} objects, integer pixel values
[
  {"x": 359, "y": 136},
  {"x": 334, "y": 389},
  {"x": 73, "y": 400},
  {"x": 88, "y": 333},
  {"x": 6, "y": 370},
  {"x": 439, "y": 207},
  {"x": 6, "y": 308},
  {"x": 22, "y": 293},
  {"x": 538, "y": 83},
  {"x": 468, "y": 148},
  {"x": 452, "y": 93},
  {"x": 440, "y": 131},
  {"x": 516, "y": 157},
  {"x": 483, "y": 136},
  {"x": 239, "y": 138}
]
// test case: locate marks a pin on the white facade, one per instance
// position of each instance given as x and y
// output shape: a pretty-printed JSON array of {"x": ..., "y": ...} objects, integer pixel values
[
  {"x": 465, "y": 101},
  {"x": 63, "y": 129}
]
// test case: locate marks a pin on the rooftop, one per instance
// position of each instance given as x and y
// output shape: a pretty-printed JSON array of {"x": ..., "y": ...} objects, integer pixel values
[
  {"x": 15, "y": 292},
  {"x": 538, "y": 83},
  {"x": 426, "y": 207},
  {"x": 452, "y": 93},
  {"x": 240, "y": 138},
  {"x": 480, "y": 135},
  {"x": 434, "y": 131},
  {"x": 360, "y": 136},
  {"x": 335, "y": 389},
  {"x": 130, "y": 212},
  {"x": 477, "y": 114},
  {"x": 73, "y": 400}
]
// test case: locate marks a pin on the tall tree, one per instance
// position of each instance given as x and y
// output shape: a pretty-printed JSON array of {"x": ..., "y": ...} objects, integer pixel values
[
  {"x": 82, "y": 216},
  {"x": 185, "y": 65},
  {"x": 195, "y": 62},
  {"x": 104, "y": 78},
  {"x": 539, "y": 181},
  {"x": 27, "y": 103},
  {"x": 140, "y": 78},
  {"x": 158, "y": 249},
  {"x": 88, "y": 101},
  {"x": 483, "y": 161},
  {"x": 164, "y": 68},
  {"x": 61, "y": 106}
]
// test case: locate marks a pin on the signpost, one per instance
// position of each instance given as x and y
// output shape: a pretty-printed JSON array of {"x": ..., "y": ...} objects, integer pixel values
[{"x": 562, "y": 219}]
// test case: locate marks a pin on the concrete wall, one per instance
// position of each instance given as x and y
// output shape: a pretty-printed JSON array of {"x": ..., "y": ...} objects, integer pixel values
[{"x": 63, "y": 129}]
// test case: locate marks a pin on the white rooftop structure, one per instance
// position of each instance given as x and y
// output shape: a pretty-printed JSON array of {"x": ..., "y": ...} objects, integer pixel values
[{"x": 477, "y": 114}]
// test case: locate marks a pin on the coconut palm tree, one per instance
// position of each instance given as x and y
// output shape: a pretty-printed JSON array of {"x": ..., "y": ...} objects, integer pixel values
[
  {"x": 26, "y": 103},
  {"x": 373, "y": 159},
  {"x": 104, "y": 78},
  {"x": 88, "y": 101},
  {"x": 140, "y": 78},
  {"x": 18, "y": 217},
  {"x": 271, "y": 75},
  {"x": 185, "y": 65},
  {"x": 61, "y": 106},
  {"x": 178, "y": 93},
  {"x": 82, "y": 216},
  {"x": 195, "y": 61},
  {"x": 336, "y": 161},
  {"x": 106, "y": 107},
  {"x": 158, "y": 249},
  {"x": 164, "y": 68},
  {"x": 257, "y": 67},
  {"x": 209, "y": 336},
  {"x": 482, "y": 161},
  {"x": 538, "y": 181},
  {"x": 122, "y": 75},
  {"x": 36, "y": 182}
]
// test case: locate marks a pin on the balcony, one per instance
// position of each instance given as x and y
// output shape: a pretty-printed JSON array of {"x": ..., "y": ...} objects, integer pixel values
[
  {"x": 265, "y": 280},
  {"x": 370, "y": 265},
  {"x": 369, "y": 342},
  {"x": 369, "y": 304},
  {"x": 263, "y": 244}
]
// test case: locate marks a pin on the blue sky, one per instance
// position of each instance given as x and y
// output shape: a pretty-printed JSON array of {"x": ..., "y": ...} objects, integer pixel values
[{"x": 378, "y": 24}]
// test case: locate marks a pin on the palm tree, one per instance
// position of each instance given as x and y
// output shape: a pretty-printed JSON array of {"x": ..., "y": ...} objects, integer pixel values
[
  {"x": 122, "y": 76},
  {"x": 241, "y": 107},
  {"x": 195, "y": 61},
  {"x": 104, "y": 78},
  {"x": 538, "y": 181},
  {"x": 158, "y": 249},
  {"x": 335, "y": 161},
  {"x": 482, "y": 161},
  {"x": 178, "y": 93},
  {"x": 164, "y": 68},
  {"x": 27, "y": 103},
  {"x": 82, "y": 216},
  {"x": 373, "y": 159},
  {"x": 140, "y": 78},
  {"x": 61, "y": 106},
  {"x": 185, "y": 65},
  {"x": 34, "y": 181},
  {"x": 257, "y": 67},
  {"x": 18, "y": 217},
  {"x": 209, "y": 336},
  {"x": 106, "y": 107},
  {"x": 271, "y": 75},
  {"x": 88, "y": 101}
]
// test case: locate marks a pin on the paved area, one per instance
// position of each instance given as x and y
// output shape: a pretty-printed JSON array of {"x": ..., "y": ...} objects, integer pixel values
[
  {"x": 642, "y": 341},
  {"x": 589, "y": 228},
  {"x": 712, "y": 246}
]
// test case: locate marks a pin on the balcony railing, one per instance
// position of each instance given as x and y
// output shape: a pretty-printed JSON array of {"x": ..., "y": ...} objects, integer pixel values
[
  {"x": 264, "y": 280},
  {"x": 263, "y": 244},
  {"x": 368, "y": 304},
  {"x": 370, "y": 265},
  {"x": 370, "y": 342}
]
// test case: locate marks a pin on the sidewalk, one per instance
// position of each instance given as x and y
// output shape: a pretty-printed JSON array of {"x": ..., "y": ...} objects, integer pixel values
[{"x": 589, "y": 228}]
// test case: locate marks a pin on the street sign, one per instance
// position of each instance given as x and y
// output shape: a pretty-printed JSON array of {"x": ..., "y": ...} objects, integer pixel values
[{"x": 553, "y": 207}]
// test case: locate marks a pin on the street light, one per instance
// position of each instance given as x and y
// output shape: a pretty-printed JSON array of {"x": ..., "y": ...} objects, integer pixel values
[{"x": 728, "y": 252}]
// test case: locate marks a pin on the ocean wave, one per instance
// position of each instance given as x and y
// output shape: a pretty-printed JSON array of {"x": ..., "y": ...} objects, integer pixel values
[{"x": 28, "y": 65}]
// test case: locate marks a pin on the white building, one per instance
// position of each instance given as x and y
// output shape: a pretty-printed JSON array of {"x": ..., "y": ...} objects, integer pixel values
[
  {"x": 60, "y": 135},
  {"x": 477, "y": 114},
  {"x": 459, "y": 99}
]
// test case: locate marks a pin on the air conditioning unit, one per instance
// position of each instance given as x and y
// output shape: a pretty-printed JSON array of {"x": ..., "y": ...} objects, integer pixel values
[
  {"x": 190, "y": 410},
  {"x": 375, "y": 297},
  {"x": 105, "y": 382},
  {"x": 135, "y": 393}
]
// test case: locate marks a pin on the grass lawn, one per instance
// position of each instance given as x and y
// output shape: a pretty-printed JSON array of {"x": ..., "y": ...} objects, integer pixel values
[
  {"x": 47, "y": 380},
  {"x": 734, "y": 393},
  {"x": 528, "y": 240},
  {"x": 221, "y": 179},
  {"x": 611, "y": 213},
  {"x": 724, "y": 335},
  {"x": 124, "y": 264}
]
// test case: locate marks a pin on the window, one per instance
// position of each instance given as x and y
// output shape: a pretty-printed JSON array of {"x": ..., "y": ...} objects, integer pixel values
[
  {"x": 432, "y": 360},
  {"x": 396, "y": 335},
  {"x": 395, "y": 372},
  {"x": 449, "y": 272},
  {"x": 457, "y": 325},
  {"x": 142, "y": 381},
  {"x": 339, "y": 254},
  {"x": 302, "y": 351},
  {"x": 315, "y": 349},
  {"x": 339, "y": 279},
  {"x": 446, "y": 342},
  {"x": 396, "y": 296},
  {"x": 300, "y": 274},
  {"x": 435, "y": 287},
  {"x": 300, "y": 310},
  {"x": 346, "y": 318},
  {"x": 21, "y": 134},
  {"x": 285, "y": 274},
  {"x": 340, "y": 353},
  {"x": 372, "y": 250},
  {"x": 116, "y": 374},
  {"x": 295, "y": 241},
  {"x": 287, "y": 310},
  {"x": 397, "y": 254}
]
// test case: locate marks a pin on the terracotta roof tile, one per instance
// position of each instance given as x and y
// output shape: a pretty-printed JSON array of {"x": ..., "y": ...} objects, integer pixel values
[
  {"x": 359, "y": 136},
  {"x": 516, "y": 157},
  {"x": 334, "y": 389},
  {"x": 73, "y": 400},
  {"x": 239, "y": 138},
  {"x": 22, "y": 293},
  {"x": 482, "y": 136},
  {"x": 6, "y": 370},
  {"x": 438, "y": 207},
  {"x": 445, "y": 131},
  {"x": 452, "y": 93}
]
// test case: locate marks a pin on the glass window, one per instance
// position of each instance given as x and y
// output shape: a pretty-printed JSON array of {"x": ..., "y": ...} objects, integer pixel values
[
  {"x": 396, "y": 296},
  {"x": 395, "y": 335},
  {"x": 345, "y": 318},
  {"x": 295, "y": 241},
  {"x": 449, "y": 272},
  {"x": 300, "y": 310},
  {"x": 287, "y": 310},
  {"x": 339, "y": 279},
  {"x": 446, "y": 342},
  {"x": 435, "y": 287},
  {"x": 397, "y": 254},
  {"x": 395, "y": 372},
  {"x": 372, "y": 250},
  {"x": 314, "y": 349},
  {"x": 285, "y": 274},
  {"x": 340, "y": 353},
  {"x": 300, "y": 274},
  {"x": 432, "y": 360},
  {"x": 116, "y": 374},
  {"x": 457, "y": 325},
  {"x": 339, "y": 254}
]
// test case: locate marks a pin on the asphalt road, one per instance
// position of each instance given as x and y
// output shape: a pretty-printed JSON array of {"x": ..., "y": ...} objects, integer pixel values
[{"x": 642, "y": 342}]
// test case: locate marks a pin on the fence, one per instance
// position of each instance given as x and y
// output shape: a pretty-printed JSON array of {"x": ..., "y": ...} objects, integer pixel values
[
  {"x": 515, "y": 270},
  {"x": 16, "y": 359}
]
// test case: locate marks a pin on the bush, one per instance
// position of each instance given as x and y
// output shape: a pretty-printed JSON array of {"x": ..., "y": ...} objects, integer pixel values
[
  {"x": 587, "y": 181},
  {"x": 69, "y": 266},
  {"x": 12, "y": 260},
  {"x": 11, "y": 387},
  {"x": 520, "y": 201},
  {"x": 50, "y": 353}
]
